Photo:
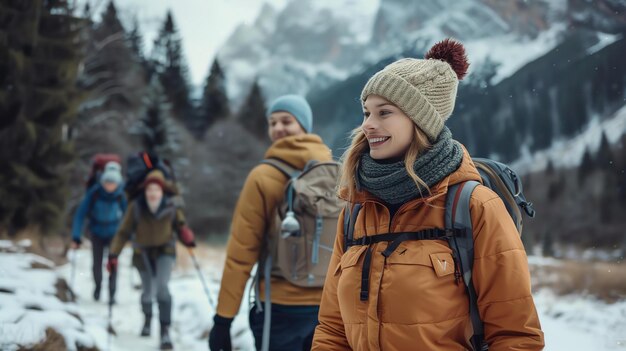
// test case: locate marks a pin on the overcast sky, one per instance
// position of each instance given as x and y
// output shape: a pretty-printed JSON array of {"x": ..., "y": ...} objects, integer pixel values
[{"x": 204, "y": 24}]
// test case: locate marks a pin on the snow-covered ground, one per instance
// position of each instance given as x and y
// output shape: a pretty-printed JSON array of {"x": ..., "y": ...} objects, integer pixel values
[
  {"x": 577, "y": 323},
  {"x": 25, "y": 291},
  {"x": 192, "y": 314},
  {"x": 570, "y": 322},
  {"x": 28, "y": 304}
]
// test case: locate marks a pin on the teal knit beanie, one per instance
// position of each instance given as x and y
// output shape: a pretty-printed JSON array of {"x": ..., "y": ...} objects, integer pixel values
[{"x": 295, "y": 105}]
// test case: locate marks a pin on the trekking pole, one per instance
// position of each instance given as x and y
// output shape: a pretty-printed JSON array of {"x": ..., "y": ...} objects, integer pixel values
[
  {"x": 73, "y": 271},
  {"x": 110, "y": 329},
  {"x": 204, "y": 284},
  {"x": 132, "y": 280}
]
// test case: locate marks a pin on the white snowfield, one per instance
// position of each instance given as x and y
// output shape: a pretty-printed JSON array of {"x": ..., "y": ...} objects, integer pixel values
[{"x": 569, "y": 322}]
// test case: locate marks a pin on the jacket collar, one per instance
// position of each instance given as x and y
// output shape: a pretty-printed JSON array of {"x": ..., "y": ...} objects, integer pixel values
[{"x": 299, "y": 149}]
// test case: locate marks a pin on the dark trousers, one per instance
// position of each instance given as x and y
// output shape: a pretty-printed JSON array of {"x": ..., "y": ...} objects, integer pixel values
[
  {"x": 292, "y": 327},
  {"x": 98, "y": 245}
]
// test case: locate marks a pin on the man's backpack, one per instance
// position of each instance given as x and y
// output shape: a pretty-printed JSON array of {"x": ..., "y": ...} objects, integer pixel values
[
  {"x": 306, "y": 223},
  {"x": 98, "y": 161},
  {"x": 137, "y": 168},
  {"x": 300, "y": 243},
  {"x": 458, "y": 229}
]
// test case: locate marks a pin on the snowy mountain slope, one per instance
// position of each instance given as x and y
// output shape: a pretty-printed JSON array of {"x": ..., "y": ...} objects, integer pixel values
[
  {"x": 311, "y": 44},
  {"x": 568, "y": 153},
  {"x": 307, "y": 39}
]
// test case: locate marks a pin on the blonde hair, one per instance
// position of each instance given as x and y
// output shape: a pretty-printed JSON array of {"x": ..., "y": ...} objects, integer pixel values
[{"x": 352, "y": 156}]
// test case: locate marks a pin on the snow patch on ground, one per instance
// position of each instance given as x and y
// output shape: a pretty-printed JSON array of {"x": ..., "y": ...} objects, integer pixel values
[
  {"x": 581, "y": 323},
  {"x": 28, "y": 305}
]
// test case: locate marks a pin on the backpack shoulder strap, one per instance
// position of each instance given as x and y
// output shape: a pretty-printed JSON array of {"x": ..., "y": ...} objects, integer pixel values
[
  {"x": 457, "y": 205},
  {"x": 285, "y": 168},
  {"x": 92, "y": 201},
  {"x": 120, "y": 199},
  {"x": 457, "y": 216},
  {"x": 289, "y": 171},
  {"x": 349, "y": 219},
  {"x": 136, "y": 213}
]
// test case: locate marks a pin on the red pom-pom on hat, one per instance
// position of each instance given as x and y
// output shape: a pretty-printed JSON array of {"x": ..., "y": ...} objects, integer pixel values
[{"x": 453, "y": 53}]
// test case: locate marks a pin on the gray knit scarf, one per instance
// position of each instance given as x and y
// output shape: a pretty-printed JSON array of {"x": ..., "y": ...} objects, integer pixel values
[{"x": 391, "y": 183}]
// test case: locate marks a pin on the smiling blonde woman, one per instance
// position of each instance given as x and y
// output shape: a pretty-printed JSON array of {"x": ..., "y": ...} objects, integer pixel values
[{"x": 399, "y": 168}]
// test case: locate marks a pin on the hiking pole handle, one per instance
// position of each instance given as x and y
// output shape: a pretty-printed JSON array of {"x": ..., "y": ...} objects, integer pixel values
[{"x": 204, "y": 284}]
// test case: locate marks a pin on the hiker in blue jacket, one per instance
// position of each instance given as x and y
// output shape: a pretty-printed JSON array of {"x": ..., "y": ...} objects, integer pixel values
[{"x": 104, "y": 206}]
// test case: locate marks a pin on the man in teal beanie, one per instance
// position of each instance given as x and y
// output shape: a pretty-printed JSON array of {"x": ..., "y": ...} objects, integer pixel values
[{"x": 295, "y": 105}]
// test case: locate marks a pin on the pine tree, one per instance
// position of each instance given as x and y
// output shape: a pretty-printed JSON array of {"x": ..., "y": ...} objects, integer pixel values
[
  {"x": 550, "y": 168},
  {"x": 112, "y": 76},
  {"x": 113, "y": 81},
  {"x": 541, "y": 125},
  {"x": 155, "y": 127},
  {"x": 252, "y": 113},
  {"x": 482, "y": 76},
  {"x": 585, "y": 168},
  {"x": 111, "y": 21},
  {"x": 604, "y": 156},
  {"x": 135, "y": 40},
  {"x": 621, "y": 173},
  {"x": 87, "y": 11},
  {"x": 39, "y": 61},
  {"x": 547, "y": 244},
  {"x": 214, "y": 105},
  {"x": 608, "y": 198},
  {"x": 555, "y": 189},
  {"x": 168, "y": 63}
]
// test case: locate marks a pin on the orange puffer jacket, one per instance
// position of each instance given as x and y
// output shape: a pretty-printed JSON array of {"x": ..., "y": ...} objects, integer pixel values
[
  {"x": 414, "y": 300},
  {"x": 262, "y": 193}
]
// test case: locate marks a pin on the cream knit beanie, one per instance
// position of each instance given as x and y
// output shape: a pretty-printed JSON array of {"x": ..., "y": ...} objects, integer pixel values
[{"x": 424, "y": 89}]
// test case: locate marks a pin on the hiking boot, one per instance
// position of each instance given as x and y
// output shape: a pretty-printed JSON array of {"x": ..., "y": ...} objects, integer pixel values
[
  {"x": 96, "y": 294},
  {"x": 166, "y": 342},
  {"x": 145, "y": 331}
]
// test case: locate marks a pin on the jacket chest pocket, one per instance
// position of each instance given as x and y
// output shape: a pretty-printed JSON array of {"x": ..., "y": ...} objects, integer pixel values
[
  {"x": 348, "y": 287},
  {"x": 419, "y": 286}
]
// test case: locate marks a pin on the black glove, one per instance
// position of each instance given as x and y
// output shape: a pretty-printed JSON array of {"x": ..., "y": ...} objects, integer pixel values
[{"x": 219, "y": 338}]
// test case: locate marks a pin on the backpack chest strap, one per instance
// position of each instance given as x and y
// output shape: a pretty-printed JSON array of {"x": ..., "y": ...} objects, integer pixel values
[{"x": 394, "y": 240}]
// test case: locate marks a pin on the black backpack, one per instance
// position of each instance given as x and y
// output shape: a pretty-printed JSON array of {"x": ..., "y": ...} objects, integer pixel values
[
  {"x": 457, "y": 232},
  {"x": 139, "y": 165}
]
